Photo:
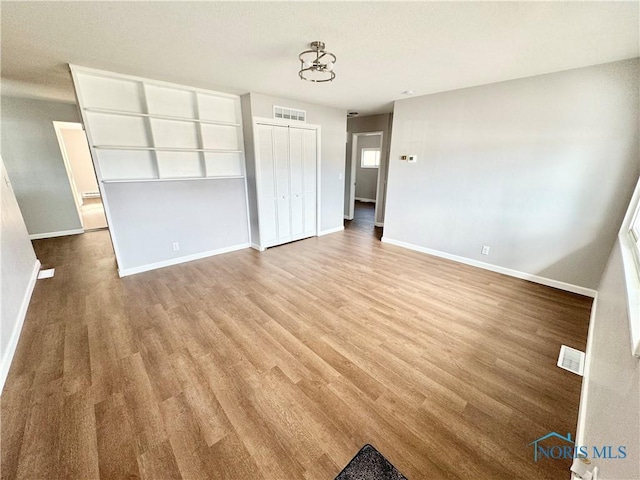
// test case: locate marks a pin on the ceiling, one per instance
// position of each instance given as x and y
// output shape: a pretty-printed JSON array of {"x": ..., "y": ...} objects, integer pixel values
[{"x": 383, "y": 48}]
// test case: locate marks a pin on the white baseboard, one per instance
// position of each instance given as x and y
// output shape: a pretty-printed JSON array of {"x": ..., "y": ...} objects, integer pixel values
[
  {"x": 17, "y": 328},
  {"x": 331, "y": 230},
  {"x": 63, "y": 233},
  {"x": 255, "y": 246},
  {"x": 379, "y": 224},
  {"x": 584, "y": 392},
  {"x": 124, "y": 272},
  {"x": 496, "y": 268},
  {"x": 365, "y": 200}
]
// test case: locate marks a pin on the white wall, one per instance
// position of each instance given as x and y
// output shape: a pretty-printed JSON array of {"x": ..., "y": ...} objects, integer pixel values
[
  {"x": 541, "y": 169},
  {"x": 333, "y": 137},
  {"x": 249, "y": 153},
  {"x": 366, "y": 178},
  {"x": 84, "y": 176},
  {"x": 370, "y": 123},
  {"x": 612, "y": 401},
  {"x": 33, "y": 159},
  {"x": 18, "y": 268},
  {"x": 203, "y": 216}
]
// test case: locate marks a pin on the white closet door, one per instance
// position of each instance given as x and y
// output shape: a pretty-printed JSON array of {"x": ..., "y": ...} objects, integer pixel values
[
  {"x": 268, "y": 206},
  {"x": 296, "y": 172},
  {"x": 309, "y": 163},
  {"x": 281, "y": 150}
]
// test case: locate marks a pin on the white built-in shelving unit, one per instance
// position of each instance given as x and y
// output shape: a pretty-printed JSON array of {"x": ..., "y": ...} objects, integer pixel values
[
  {"x": 147, "y": 138},
  {"x": 145, "y": 130}
]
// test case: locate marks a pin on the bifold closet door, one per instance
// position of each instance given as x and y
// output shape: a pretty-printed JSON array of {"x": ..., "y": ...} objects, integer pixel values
[
  {"x": 309, "y": 166},
  {"x": 268, "y": 197},
  {"x": 287, "y": 165},
  {"x": 283, "y": 190},
  {"x": 296, "y": 157}
]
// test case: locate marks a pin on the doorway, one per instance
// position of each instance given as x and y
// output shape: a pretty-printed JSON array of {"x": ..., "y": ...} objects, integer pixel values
[
  {"x": 366, "y": 161},
  {"x": 82, "y": 175}
]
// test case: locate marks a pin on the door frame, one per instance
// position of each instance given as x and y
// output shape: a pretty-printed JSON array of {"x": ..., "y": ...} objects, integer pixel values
[
  {"x": 291, "y": 124},
  {"x": 77, "y": 198},
  {"x": 352, "y": 178}
]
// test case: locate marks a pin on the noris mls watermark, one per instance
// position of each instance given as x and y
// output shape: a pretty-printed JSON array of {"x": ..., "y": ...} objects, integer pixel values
[{"x": 555, "y": 446}]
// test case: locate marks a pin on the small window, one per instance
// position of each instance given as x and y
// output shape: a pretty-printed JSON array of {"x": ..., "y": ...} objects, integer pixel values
[{"x": 370, "y": 158}]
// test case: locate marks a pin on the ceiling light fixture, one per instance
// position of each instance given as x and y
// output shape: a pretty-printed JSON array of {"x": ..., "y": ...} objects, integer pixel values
[{"x": 316, "y": 65}]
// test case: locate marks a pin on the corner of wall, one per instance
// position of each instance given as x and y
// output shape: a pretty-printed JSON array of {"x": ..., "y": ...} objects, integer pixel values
[{"x": 7, "y": 357}]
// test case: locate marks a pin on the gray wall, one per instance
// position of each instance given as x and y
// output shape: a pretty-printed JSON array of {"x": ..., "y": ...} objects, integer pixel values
[
  {"x": 17, "y": 265},
  {"x": 612, "y": 403},
  {"x": 201, "y": 215},
  {"x": 334, "y": 125},
  {"x": 540, "y": 169},
  {"x": 370, "y": 123},
  {"x": 34, "y": 162},
  {"x": 366, "y": 178}
]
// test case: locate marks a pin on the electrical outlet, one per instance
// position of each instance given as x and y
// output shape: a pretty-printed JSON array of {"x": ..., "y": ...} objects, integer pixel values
[
  {"x": 485, "y": 250},
  {"x": 176, "y": 246}
]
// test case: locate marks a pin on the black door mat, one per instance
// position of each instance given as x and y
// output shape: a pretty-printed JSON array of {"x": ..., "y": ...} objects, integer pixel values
[{"x": 370, "y": 464}]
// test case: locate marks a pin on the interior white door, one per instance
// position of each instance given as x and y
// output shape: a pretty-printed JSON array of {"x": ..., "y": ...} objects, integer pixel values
[
  {"x": 309, "y": 165},
  {"x": 287, "y": 162},
  {"x": 296, "y": 173},
  {"x": 283, "y": 191},
  {"x": 268, "y": 218}
]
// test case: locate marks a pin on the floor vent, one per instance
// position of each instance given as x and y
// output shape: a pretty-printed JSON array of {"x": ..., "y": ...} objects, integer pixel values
[
  {"x": 49, "y": 273},
  {"x": 571, "y": 359}
]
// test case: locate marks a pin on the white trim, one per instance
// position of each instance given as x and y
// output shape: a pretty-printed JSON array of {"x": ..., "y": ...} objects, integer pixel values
[
  {"x": 331, "y": 230},
  {"x": 62, "y": 233},
  {"x": 77, "y": 197},
  {"x": 148, "y": 81},
  {"x": 496, "y": 268},
  {"x": 123, "y": 272},
  {"x": 255, "y": 121},
  {"x": 365, "y": 200},
  {"x": 279, "y": 122},
  {"x": 257, "y": 247},
  {"x": 631, "y": 269},
  {"x": 92, "y": 150},
  {"x": 584, "y": 392},
  {"x": 354, "y": 155},
  {"x": 5, "y": 364},
  {"x": 379, "y": 224}
]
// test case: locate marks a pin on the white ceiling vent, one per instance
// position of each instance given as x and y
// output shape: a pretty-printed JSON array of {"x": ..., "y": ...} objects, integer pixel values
[
  {"x": 289, "y": 113},
  {"x": 571, "y": 359}
]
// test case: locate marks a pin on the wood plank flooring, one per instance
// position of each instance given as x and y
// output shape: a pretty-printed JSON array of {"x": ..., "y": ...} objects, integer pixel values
[{"x": 282, "y": 364}]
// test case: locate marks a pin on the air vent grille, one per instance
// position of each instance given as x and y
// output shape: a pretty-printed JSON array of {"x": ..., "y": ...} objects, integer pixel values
[
  {"x": 571, "y": 359},
  {"x": 289, "y": 114}
]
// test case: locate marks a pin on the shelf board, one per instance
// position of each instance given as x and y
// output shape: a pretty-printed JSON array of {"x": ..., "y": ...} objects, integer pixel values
[
  {"x": 165, "y": 149},
  {"x": 158, "y": 116},
  {"x": 172, "y": 179}
]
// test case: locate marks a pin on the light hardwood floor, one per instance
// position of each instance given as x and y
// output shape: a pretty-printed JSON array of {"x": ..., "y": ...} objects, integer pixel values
[{"x": 282, "y": 364}]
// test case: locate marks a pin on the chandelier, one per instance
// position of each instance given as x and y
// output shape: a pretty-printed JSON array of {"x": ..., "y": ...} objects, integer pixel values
[{"x": 316, "y": 64}]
